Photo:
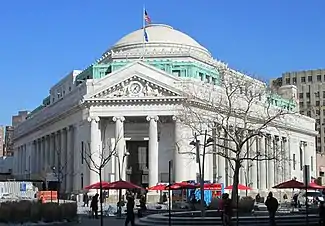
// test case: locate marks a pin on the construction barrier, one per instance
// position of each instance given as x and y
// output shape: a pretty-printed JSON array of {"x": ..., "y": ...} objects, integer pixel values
[{"x": 47, "y": 195}]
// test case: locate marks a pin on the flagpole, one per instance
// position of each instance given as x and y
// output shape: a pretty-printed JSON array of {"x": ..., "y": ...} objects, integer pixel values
[{"x": 143, "y": 27}]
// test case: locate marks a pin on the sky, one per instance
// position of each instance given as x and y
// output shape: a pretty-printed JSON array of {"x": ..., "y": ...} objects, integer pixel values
[{"x": 43, "y": 40}]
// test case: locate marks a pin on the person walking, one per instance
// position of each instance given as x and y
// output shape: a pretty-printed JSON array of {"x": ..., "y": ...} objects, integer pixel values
[
  {"x": 86, "y": 199},
  {"x": 226, "y": 208},
  {"x": 129, "y": 211},
  {"x": 94, "y": 206},
  {"x": 272, "y": 205}
]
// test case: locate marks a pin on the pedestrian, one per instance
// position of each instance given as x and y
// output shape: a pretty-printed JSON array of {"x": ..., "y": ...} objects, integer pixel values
[
  {"x": 321, "y": 212},
  {"x": 226, "y": 208},
  {"x": 129, "y": 211},
  {"x": 94, "y": 206},
  {"x": 272, "y": 205},
  {"x": 258, "y": 198},
  {"x": 143, "y": 206},
  {"x": 86, "y": 199}
]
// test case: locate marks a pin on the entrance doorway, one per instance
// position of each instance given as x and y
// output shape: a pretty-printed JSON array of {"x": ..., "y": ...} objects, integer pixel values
[{"x": 138, "y": 163}]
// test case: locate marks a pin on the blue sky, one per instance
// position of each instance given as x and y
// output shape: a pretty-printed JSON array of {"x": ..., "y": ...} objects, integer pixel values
[{"x": 44, "y": 40}]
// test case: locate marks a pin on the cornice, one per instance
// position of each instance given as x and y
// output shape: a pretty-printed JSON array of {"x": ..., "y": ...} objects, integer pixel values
[{"x": 132, "y": 100}]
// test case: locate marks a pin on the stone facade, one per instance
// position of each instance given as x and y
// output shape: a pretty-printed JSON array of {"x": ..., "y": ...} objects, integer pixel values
[{"x": 132, "y": 109}]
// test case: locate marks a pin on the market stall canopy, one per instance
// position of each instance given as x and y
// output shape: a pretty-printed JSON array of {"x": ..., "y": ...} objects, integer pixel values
[
  {"x": 96, "y": 185},
  {"x": 241, "y": 187},
  {"x": 121, "y": 184},
  {"x": 290, "y": 184}
]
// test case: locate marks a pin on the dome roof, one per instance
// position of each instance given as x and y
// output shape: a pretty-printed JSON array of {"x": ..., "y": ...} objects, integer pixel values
[{"x": 159, "y": 36}]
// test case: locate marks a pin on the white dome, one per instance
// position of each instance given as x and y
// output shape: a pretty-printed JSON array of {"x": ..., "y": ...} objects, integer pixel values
[{"x": 159, "y": 37}]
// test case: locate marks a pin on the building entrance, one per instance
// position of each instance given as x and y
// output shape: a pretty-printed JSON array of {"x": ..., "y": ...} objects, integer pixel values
[{"x": 137, "y": 165}]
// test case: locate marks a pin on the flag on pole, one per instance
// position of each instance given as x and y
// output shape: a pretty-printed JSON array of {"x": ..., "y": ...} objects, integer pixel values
[
  {"x": 145, "y": 35},
  {"x": 146, "y": 17}
]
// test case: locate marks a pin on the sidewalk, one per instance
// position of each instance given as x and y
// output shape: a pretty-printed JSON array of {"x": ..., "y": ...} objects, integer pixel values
[{"x": 112, "y": 221}]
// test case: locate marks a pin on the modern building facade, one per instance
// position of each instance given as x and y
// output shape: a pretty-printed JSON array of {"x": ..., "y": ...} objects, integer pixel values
[
  {"x": 311, "y": 93},
  {"x": 128, "y": 101}
]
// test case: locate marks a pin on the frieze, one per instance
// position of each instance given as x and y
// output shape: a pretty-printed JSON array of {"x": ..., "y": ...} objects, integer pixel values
[{"x": 134, "y": 87}]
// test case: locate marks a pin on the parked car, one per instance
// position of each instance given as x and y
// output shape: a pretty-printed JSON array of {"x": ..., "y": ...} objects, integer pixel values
[{"x": 313, "y": 197}]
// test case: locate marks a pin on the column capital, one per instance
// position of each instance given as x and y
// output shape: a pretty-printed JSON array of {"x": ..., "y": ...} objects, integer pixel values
[
  {"x": 152, "y": 117},
  {"x": 93, "y": 118},
  {"x": 118, "y": 118}
]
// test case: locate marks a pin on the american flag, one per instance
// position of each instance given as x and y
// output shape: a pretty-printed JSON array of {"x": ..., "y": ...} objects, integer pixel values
[{"x": 146, "y": 17}]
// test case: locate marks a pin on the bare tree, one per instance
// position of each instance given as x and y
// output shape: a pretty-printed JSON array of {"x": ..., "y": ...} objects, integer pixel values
[
  {"x": 239, "y": 110},
  {"x": 96, "y": 160}
]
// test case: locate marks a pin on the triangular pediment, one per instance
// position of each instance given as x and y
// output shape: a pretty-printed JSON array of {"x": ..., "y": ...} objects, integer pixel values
[{"x": 137, "y": 80}]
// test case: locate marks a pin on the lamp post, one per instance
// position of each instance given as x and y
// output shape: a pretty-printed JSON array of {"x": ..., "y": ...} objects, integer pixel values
[
  {"x": 197, "y": 144},
  {"x": 120, "y": 168},
  {"x": 57, "y": 174}
]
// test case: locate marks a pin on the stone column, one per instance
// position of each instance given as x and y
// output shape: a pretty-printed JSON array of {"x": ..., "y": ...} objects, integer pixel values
[
  {"x": 120, "y": 148},
  {"x": 72, "y": 181},
  {"x": 153, "y": 150},
  {"x": 277, "y": 163},
  {"x": 253, "y": 169},
  {"x": 262, "y": 175},
  {"x": 63, "y": 160},
  {"x": 94, "y": 153},
  {"x": 43, "y": 166},
  {"x": 180, "y": 168},
  {"x": 231, "y": 164},
  {"x": 221, "y": 160},
  {"x": 270, "y": 153},
  {"x": 288, "y": 157},
  {"x": 36, "y": 157},
  {"x": 46, "y": 152},
  {"x": 52, "y": 150}
]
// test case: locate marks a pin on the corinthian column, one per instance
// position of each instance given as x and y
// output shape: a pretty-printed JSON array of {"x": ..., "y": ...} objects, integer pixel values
[
  {"x": 153, "y": 150},
  {"x": 120, "y": 148},
  {"x": 181, "y": 170},
  {"x": 253, "y": 170},
  {"x": 262, "y": 175},
  {"x": 94, "y": 151},
  {"x": 271, "y": 154}
]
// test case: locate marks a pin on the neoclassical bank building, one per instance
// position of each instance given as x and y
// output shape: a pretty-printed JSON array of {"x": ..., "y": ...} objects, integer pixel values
[{"x": 127, "y": 101}]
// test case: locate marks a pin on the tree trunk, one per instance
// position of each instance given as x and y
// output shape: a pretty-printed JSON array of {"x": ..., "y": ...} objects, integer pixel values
[
  {"x": 234, "y": 192},
  {"x": 101, "y": 197}
]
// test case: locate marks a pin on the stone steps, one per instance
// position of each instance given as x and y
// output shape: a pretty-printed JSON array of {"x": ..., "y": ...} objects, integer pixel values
[{"x": 285, "y": 220}]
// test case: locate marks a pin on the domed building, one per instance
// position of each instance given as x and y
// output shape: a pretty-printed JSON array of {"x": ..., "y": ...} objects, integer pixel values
[{"x": 125, "y": 104}]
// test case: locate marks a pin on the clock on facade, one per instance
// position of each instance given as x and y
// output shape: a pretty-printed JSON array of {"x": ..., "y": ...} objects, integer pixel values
[{"x": 135, "y": 88}]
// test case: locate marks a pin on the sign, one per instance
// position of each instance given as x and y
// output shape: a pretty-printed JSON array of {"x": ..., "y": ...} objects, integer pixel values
[{"x": 23, "y": 187}]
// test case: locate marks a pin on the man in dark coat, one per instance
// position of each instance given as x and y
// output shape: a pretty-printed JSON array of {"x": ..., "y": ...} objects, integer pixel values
[
  {"x": 272, "y": 205},
  {"x": 94, "y": 206},
  {"x": 130, "y": 211}
]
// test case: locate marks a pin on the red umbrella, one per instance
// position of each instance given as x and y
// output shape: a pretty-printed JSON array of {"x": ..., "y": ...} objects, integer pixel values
[
  {"x": 158, "y": 187},
  {"x": 240, "y": 187},
  {"x": 96, "y": 185},
  {"x": 313, "y": 185},
  {"x": 212, "y": 187},
  {"x": 121, "y": 184},
  {"x": 182, "y": 185},
  {"x": 290, "y": 184}
]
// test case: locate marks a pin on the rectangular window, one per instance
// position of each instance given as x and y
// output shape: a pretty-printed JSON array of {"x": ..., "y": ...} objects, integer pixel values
[
  {"x": 287, "y": 81},
  {"x": 301, "y": 157},
  {"x": 311, "y": 163},
  {"x": 201, "y": 75},
  {"x": 176, "y": 73},
  {"x": 82, "y": 152},
  {"x": 319, "y": 78},
  {"x": 294, "y": 80},
  {"x": 310, "y": 78},
  {"x": 294, "y": 161},
  {"x": 317, "y": 103},
  {"x": 308, "y": 95},
  {"x": 301, "y": 95},
  {"x": 303, "y": 79},
  {"x": 214, "y": 81}
]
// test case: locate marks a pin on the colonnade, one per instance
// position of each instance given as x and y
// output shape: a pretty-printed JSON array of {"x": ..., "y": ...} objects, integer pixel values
[{"x": 49, "y": 154}]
